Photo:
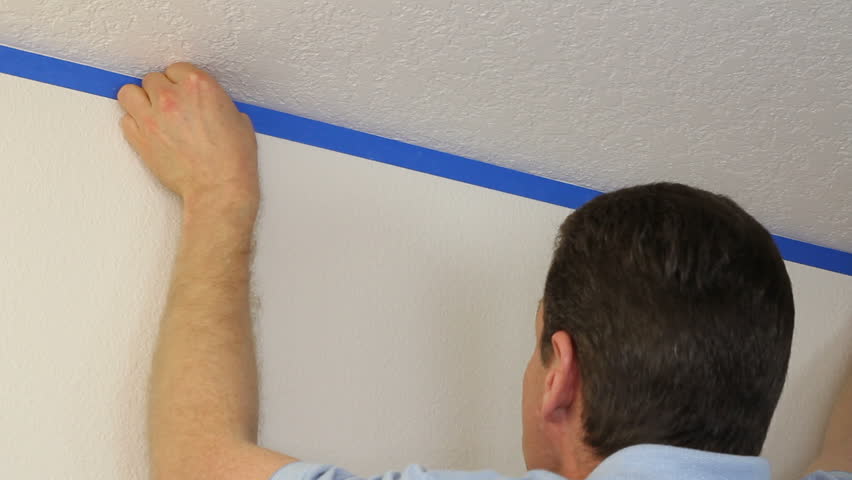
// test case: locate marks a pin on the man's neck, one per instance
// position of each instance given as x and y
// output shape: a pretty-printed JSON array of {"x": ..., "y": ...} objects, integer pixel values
[{"x": 578, "y": 461}]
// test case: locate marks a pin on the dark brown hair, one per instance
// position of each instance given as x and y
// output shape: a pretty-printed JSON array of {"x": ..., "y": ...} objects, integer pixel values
[{"x": 681, "y": 314}]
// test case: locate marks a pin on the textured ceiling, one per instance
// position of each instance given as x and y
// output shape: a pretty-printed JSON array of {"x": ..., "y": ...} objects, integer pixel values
[{"x": 752, "y": 99}]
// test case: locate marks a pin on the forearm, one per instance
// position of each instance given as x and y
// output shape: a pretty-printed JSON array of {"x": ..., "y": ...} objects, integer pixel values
[
  {"x": 838, "y": 433},
  {"x": 203, "y": 395},
  {"x": 836, "y": 450}
]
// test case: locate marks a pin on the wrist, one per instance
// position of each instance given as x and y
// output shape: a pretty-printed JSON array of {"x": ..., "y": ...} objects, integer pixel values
[
  {"x": 206, "y": 236},
  {"x": 237, "y": 209}
]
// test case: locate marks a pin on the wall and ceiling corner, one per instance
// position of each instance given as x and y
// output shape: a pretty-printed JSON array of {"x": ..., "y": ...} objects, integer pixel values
[
  {"x": 750, "y": 99},
  {"x": 311, "y": 132}
]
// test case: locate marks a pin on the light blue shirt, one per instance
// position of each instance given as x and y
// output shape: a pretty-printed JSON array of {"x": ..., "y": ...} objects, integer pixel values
[{"x": 639, "y": 462}]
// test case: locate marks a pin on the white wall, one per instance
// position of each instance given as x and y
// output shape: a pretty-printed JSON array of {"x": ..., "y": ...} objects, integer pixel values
[{"x": 396, "y": 308}]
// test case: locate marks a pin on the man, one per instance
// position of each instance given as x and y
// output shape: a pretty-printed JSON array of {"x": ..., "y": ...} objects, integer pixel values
[{"x": 663, "y": 333}]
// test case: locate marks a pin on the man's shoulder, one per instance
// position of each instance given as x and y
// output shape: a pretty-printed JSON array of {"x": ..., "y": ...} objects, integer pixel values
[{"x": 709, "y": 466}]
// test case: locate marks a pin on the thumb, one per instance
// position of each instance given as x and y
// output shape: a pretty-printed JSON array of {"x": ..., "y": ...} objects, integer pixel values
[{"x": 131, "y": 131}]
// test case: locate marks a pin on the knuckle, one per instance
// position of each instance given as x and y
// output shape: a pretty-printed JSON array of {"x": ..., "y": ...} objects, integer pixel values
[
  {"x": 194, "y": 78},
  {"x": 198, "y": 79},
  {"x": 181, "y": 67},
  {"x": 166, "y": 100},
  {"x": 149, "y": 125}
]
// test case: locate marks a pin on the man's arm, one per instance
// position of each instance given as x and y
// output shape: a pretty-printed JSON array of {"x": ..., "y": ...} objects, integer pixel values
[
  {"x": 836, "y": 453},
  {"x": 203, "y": 407}
]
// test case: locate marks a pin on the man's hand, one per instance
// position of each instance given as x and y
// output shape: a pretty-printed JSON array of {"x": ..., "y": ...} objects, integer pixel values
[
  {"x": 203, "y": 404},
  {"x": 192, "y": 137}
]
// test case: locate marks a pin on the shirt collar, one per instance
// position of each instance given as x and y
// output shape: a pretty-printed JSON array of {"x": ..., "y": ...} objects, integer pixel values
[{"x": 663, "y": 462}]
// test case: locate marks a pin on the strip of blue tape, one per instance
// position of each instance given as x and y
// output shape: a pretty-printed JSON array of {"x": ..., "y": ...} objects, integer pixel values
[{"x": 283, "y": 125}]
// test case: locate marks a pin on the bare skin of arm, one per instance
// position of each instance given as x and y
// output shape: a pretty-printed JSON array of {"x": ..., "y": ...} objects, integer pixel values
[
  {"x": 836, "y": 451},
  {"x": 203, "y": 405}
]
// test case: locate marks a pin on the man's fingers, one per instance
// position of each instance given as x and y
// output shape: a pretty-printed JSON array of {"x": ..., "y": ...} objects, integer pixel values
[
  {"x": 177, "y": 72},
  {"x": 153, "y": 83},
  {"x": 133, "y": 99}
]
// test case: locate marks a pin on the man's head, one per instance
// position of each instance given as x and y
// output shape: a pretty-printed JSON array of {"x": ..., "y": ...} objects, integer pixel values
[{"x": 667, "y": 318}]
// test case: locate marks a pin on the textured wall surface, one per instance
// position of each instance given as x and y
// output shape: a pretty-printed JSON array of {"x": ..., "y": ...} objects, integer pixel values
[
  {"x": 751, "y": 99},
  {"x": 396, "y": 308}
]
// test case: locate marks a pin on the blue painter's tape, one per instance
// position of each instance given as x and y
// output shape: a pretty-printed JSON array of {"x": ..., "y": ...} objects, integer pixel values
[
  {"x": 311, "y": 132},
  {"x": 385, "y": 150},
  {"x": 814, "y": 255},
  {"x": 62, "y": 73}
]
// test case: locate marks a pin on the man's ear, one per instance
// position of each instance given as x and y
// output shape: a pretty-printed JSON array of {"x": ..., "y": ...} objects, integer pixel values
[{"x": 562, "y": 378}]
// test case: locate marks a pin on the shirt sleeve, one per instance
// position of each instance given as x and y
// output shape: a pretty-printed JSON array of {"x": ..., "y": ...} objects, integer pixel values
[
  {"x": 315, "y": 471},
  {"x": 821, "y": 475}
]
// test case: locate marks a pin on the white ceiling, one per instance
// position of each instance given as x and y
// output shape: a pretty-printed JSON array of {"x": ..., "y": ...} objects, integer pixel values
[{"x": 748, "y": 98}]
